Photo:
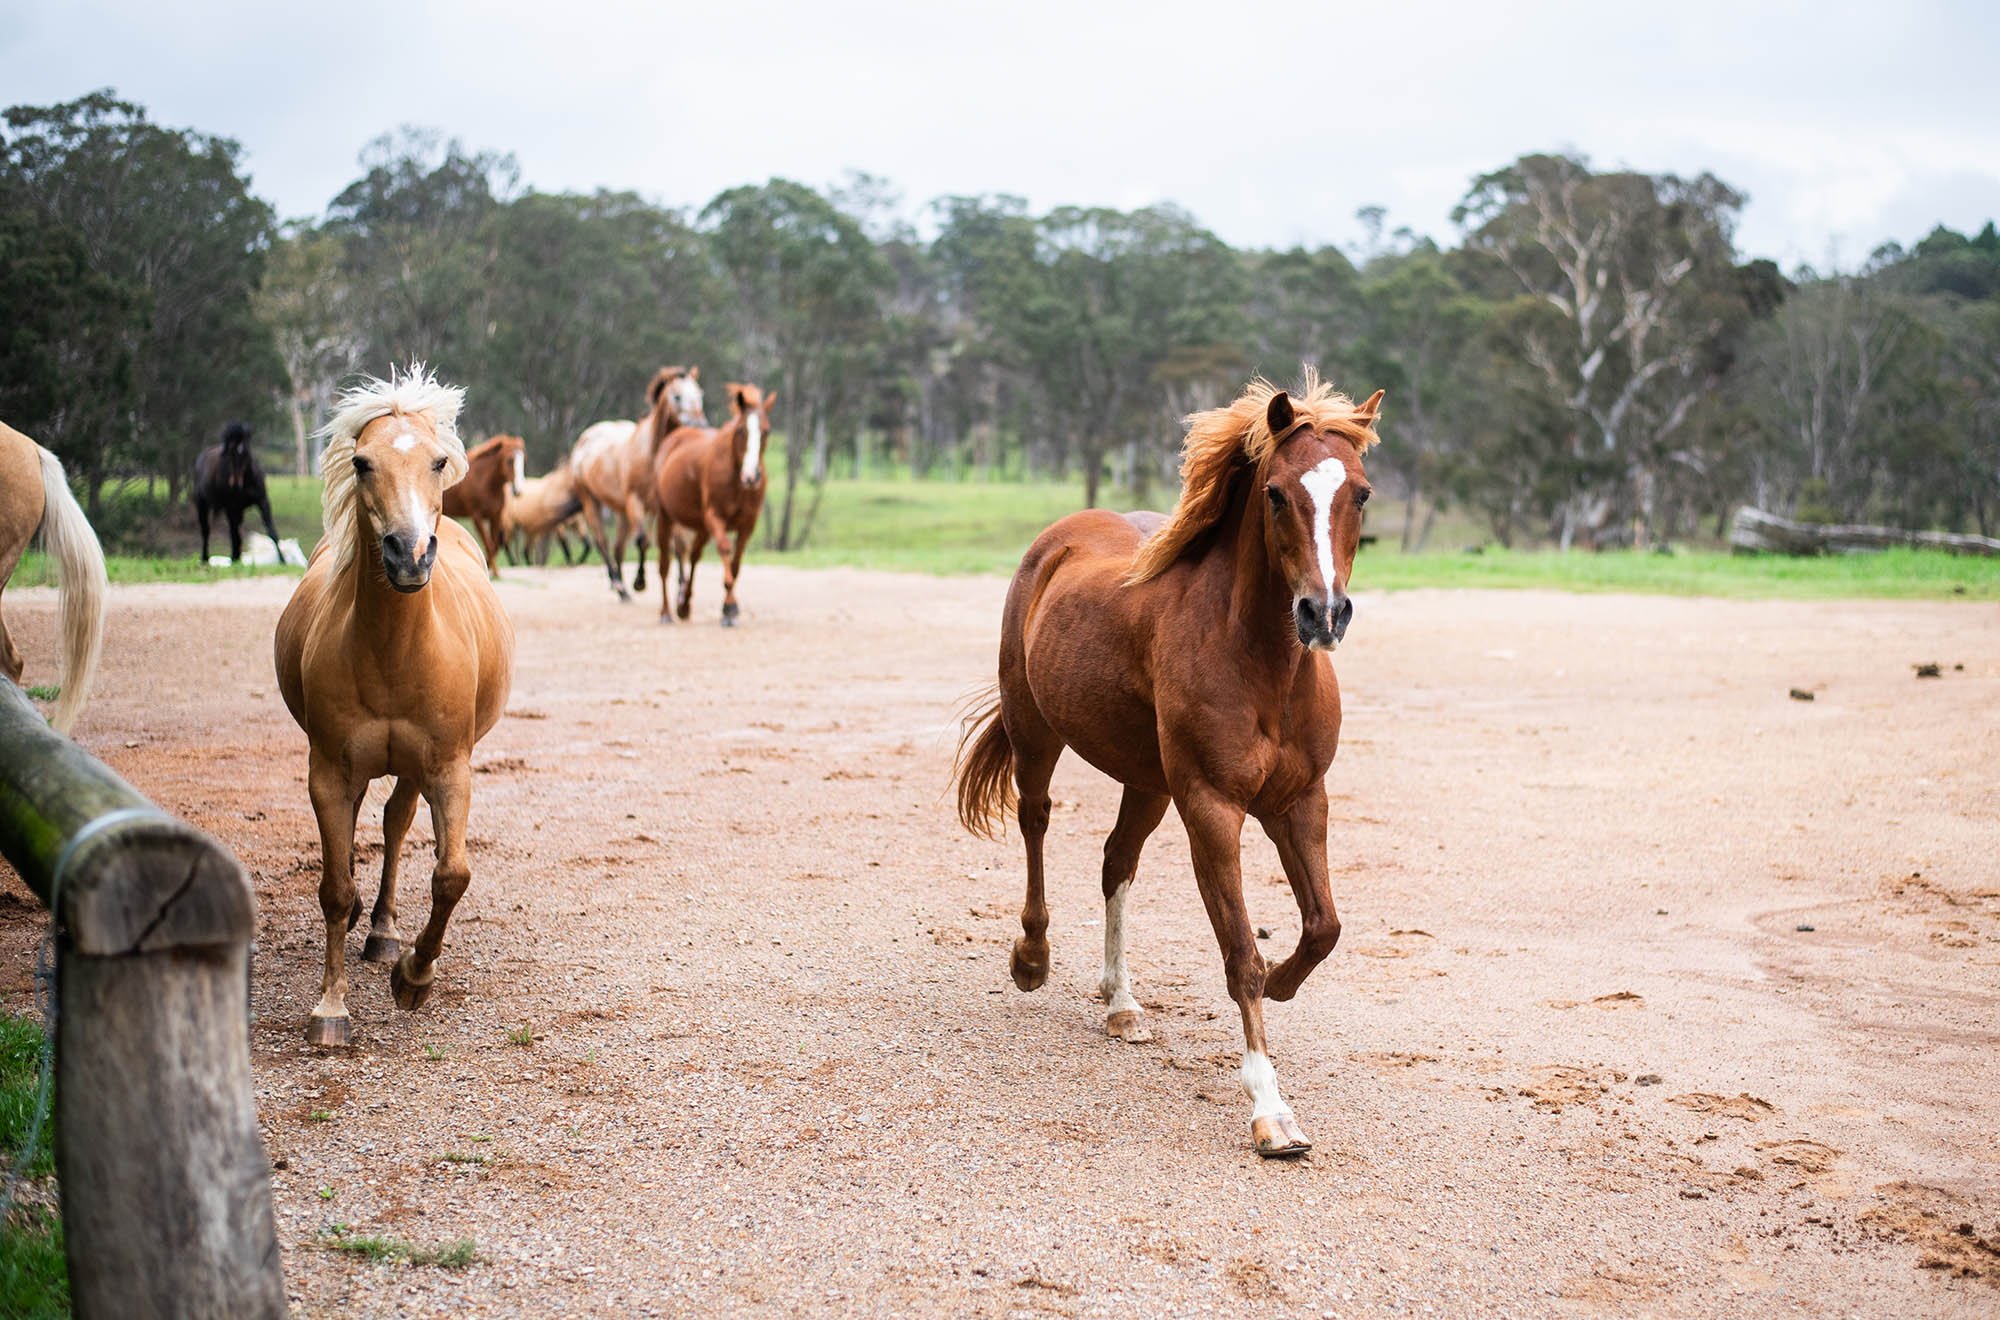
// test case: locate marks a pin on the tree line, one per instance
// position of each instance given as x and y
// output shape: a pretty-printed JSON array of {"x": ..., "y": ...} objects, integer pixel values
[{"x": 1591, "y": 362}]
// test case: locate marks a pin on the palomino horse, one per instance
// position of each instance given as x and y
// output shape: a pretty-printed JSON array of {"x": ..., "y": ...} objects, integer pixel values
[
  {"x": 228, "y": 477},
  {"x": 395, "y": 658},
  {"x": 613, "y": 465},
  {"x": 710, "y": 486},
  {"x": 1184, "y": 657},
  {"x": 34, "y": 497},
  {"x": 492, "y": 472},
  {"x": 538, "y": 509}
]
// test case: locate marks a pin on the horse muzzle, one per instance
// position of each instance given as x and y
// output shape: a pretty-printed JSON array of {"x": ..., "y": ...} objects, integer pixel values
[
  {"x": 1322, "y": 624},
  {"x": 406, "y": 570}
]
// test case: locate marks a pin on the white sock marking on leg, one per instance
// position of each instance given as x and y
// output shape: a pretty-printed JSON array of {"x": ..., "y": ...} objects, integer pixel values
[
  {"x": 1260, "y": 1083},
  {"x": 1116, "y": 987}
]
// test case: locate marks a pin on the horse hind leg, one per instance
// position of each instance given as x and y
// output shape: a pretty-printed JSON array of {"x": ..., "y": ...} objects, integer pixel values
[
  {"x": 451, "y": 803},
  {"x": 1139, "y": 814},
  {"x": 384, "y": 944},
  {"x": 1035, "y": 758}
]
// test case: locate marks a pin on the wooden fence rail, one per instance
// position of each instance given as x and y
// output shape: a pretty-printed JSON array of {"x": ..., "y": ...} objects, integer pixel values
[{"x": 166, "y": 1190}]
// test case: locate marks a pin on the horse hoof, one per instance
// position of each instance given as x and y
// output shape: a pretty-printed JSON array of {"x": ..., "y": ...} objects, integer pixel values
[
  {"x": 1277, "y": 1137},
  {"x": 329, "y": 1033},
  {"x": 1129, "y": 1026},
  {"x": 381, "y": 949},
  {"x": 410, "y": 993},
  {"x": 729, "y": 620},
  {"x": 1030, "y": 967},
  {"x": 666, "y": 616}
]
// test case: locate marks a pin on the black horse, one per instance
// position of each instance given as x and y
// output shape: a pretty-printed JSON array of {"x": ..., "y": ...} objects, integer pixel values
[{"x": 226, "y": 477}]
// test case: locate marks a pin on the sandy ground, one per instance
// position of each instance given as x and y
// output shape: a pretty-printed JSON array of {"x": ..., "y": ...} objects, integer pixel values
[{"x": 1660, "y": 992}]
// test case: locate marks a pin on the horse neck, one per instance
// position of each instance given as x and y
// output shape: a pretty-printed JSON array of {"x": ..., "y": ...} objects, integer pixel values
[{"x": 1260, "y": 600}]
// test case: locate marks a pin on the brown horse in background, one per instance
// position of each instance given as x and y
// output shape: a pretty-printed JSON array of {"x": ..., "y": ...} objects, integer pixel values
[
  {"x": 613, "y": 466},
  {"x": 34, "y": 497},
  {"x": 710, "y": 486},
  {"x": 493, "y": 471},
  {"x": 395, "y": 658},
  {"x": 1186, "y": 658}
]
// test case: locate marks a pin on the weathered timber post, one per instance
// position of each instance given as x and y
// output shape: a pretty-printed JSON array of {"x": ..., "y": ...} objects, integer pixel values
[{"x": 166, "y": 1193}]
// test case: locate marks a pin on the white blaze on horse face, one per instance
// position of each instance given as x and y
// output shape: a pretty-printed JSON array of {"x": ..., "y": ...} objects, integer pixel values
[
  {"x": 755, "y": 424},
  {"x": 520, "y": 470},
  {"x": 1260, "y": 1083},
  {"x": 1116, "y": 987},
  {"x": 1321, "y": 484}
]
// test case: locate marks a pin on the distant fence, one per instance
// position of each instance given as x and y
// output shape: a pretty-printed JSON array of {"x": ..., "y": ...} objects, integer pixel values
[
  {"x": 1754, "y": 529},
  {"x": 166, "y": 1193}
]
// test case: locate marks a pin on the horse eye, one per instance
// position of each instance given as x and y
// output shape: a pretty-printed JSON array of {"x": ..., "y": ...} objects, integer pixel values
[
  {"x": 362, "y": 467},
  {"x": 1276, "y": 496},
  {"x": 1361, "y": 496},
  {"x": 437, "y": 465}
]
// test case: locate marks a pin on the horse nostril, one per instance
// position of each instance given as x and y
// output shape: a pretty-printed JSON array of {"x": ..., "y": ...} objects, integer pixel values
[{"x": 1342, "y": 617}]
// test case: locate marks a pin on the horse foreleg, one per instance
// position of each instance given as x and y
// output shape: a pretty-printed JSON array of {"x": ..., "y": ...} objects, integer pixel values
[
  {"x": 1215, "y": 832},
  {"x": 384, "y": 943},
  {"x": 270, "y": 528},
  {"x": 335, "y": 802},
  {"x": 697, "y": 542},
  {"x": 663, "y": 536},
  {"x": 1139, "y": 814},
  {"x": 593, "y": 522},
  {"x": 201, "y": 516},
  {"x": 729, "y": 550},
  {"x": 1300, "y": 833},
  {"x": 450, "y": 796},
  {"x": 235, "y": 535}
]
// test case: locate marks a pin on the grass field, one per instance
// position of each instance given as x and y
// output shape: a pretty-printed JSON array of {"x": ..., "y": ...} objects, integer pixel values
[
  {"x": 954, "y": 527},
  {"x": 34, "y": 1280}
]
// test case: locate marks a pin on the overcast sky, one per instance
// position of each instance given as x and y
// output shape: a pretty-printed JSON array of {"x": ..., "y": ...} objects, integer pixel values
[{"x": 1846, "y": 124}]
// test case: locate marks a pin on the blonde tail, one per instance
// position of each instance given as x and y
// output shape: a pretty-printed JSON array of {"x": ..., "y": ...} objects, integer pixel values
[{"x": 67, "y": 537}]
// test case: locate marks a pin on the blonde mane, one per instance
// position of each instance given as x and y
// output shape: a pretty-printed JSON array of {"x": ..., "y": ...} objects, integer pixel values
[
  {"x": 415, "y": 391},
  {"x": 1220, "y": 440}
]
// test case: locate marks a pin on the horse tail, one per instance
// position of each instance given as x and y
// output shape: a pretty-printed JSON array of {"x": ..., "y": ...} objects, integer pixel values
[
  {"x": 79, "y": 560},
  {"x": 984, "y": 767}
]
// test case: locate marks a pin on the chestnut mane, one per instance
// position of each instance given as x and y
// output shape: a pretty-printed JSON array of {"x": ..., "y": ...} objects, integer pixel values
[{"x": 1222, "y": 440}]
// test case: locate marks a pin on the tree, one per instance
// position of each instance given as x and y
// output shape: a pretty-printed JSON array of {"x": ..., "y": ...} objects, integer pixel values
[
  {"x": 303, "y": 302},
  {"x": 166, "y": 216},
  {"x": 808, "y": 286},
  {"x": 1624, "y": 280}
]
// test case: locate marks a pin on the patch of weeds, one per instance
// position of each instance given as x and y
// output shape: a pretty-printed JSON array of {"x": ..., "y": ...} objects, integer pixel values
[
  {"x": 523, "y": 1035},
  {"x": 433, "y": 1053},
  {"x": 453, "y": 1255},
  {"x": 463, "y": 1157},
  {"x": 320, "y": 1116},
  {"x": 326, "y": 1193},
  {"x": 45, "y": 691},
  {"x": 478, "y": 1136}
]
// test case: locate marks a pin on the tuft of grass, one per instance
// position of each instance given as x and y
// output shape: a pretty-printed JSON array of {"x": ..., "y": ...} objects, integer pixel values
[
  {"x": 45, "y": 691},
  {"x": 433, "y": 1053},
  {"x": 320, "y": 1116},
  {"x": 463, "y": 1157},
  {"x": 453, "y": 1255},
  {"x": 523, "y": 1036}
]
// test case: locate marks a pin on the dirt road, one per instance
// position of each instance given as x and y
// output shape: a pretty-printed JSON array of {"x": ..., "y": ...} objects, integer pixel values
[{"x": 1659, "y": 992}]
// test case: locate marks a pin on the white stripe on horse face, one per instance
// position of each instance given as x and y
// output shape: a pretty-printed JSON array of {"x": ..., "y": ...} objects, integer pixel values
[
  {"x": 520, "y": 469},
  {"x": 751, "y": 454},
  {"x": 1321, "y": 484}
]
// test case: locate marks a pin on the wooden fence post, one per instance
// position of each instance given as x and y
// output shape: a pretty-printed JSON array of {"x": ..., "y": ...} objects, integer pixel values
[{"x": 166, "y": 1192}]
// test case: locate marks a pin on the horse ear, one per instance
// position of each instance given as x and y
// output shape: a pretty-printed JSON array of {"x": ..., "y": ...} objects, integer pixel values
[
  {"x": 1372, "y": 409},
  {"x": 1279, "y": 413},
  {"x": 770, "y": 400},
  {"x": 742, "y": 399},
  {"x": 694, "y": 373}
]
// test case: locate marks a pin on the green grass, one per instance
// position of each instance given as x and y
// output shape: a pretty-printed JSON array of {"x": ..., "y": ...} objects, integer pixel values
[
  {"x": 959, "y": 527},
  {"x": 34, "y": 1278},
  {"x": 453, "y": 1255}
]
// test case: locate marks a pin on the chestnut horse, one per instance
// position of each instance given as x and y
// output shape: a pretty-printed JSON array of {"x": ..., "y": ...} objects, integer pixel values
[
  {"x": 538, "y": 509},
  {"x": 395, "y": 658},
  {"x": 1184, "y": 656},
  {"x": 34, "y": 497},
  {"x": 613, "y": 466},
  {"x": 710, "y": 486},
  {"x": 492, "y": 471}
]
